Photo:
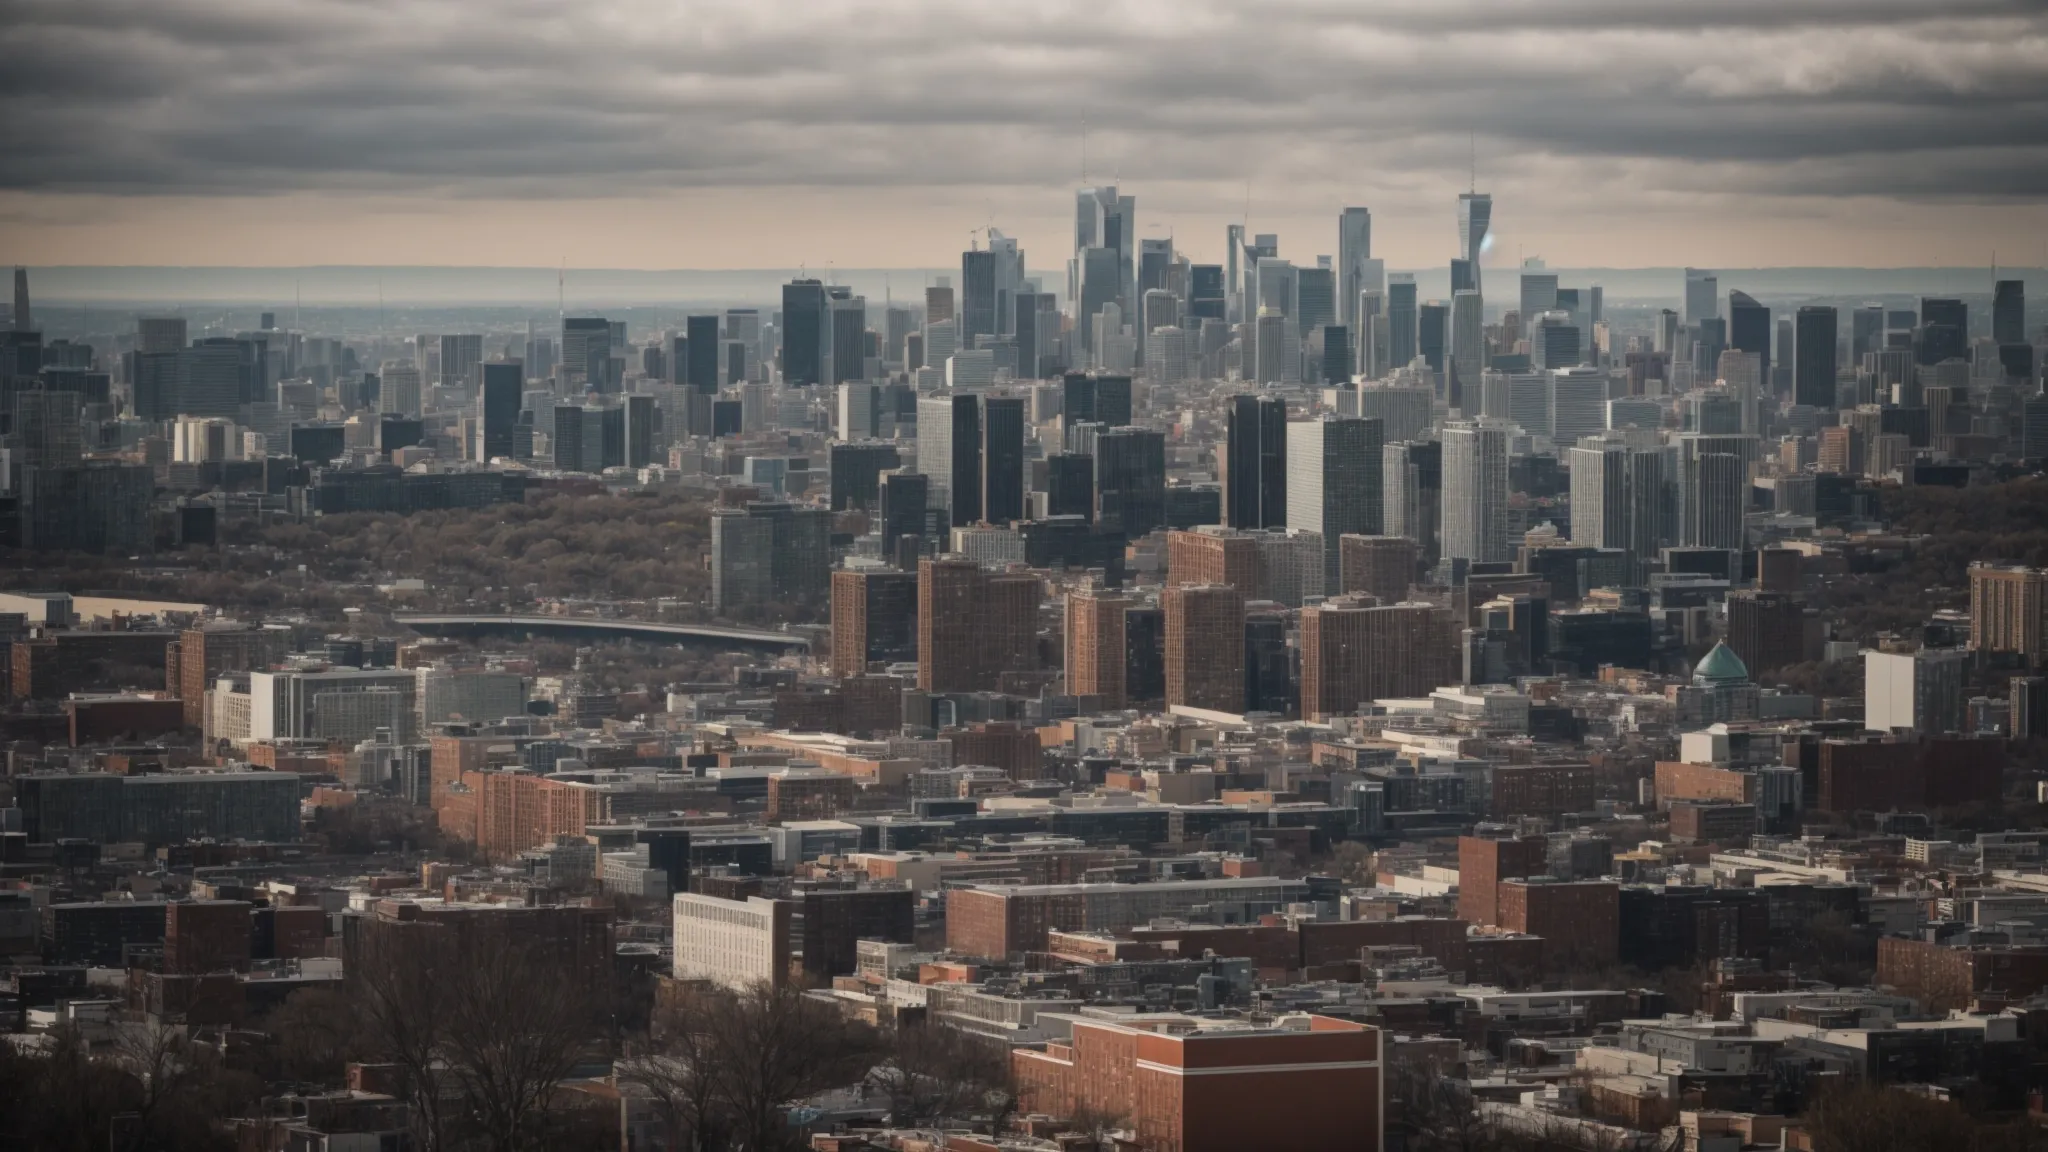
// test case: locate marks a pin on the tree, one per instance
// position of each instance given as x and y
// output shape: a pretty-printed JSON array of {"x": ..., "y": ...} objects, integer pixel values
[
  {"x": 775, "y": 1045},
  {"x": 1863, "y": 1117},
  {"x": 678, "y": 1069},
  {"x": 932, "y": 1074}
]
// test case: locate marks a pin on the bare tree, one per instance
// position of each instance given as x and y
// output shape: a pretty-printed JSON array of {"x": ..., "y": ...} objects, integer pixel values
[
  {"x": 517, "y": 1022},
  {"x": 775, "y": 1046},
  {"x": 678, "y": 1069},
  {"x": 932, "y": 1073},
  {"x": 400, "y": 982}
]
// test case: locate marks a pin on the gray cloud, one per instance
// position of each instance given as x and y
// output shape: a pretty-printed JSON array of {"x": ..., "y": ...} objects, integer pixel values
[{"x": 535, "y": 99}]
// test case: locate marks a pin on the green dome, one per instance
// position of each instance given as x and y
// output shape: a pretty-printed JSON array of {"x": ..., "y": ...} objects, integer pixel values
[{"x": 1720, "y": 665}]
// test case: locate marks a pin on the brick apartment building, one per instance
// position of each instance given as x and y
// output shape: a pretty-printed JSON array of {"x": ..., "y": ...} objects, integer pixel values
[
  {"x": 1484, "y": 863},
  {"x": 1306, "y": 1084},
  {"x": 1579, "y": 920},
  {"x": 1541, "y": 789},
  {"x": 1944, "y": 977},
  {"x": 1013, "y": 748},
  {"x": 207, "y": 936},
  {"x": 1883, "y": 775}
]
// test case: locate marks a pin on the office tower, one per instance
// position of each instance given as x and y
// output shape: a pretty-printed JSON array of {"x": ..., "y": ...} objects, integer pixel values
[
  {"x": 498, "y": 408},
  {"x": 214, "y": 379},
  {"x": 1130, "y": 481},
  {"x": 905, "y": 497},
  {"x": 1268, "y": 664},
  {"x": 1354, "y": 249},
  {"x": 1475, "y": 487},
  {"x": 1204, "y": 647},
  {"x": 1749, "y": 330},
  {"x": 1206, "y": 296},
  {"x": 977, "y": 296},
  {"x": 1335, "y": 349},
  {"x": 2033, "y": 438},
  {"x": 1577, "y": 403},
  {"x": 1539, "y": 294},
  {"x": 699, "y": 350},
  {"x": 1553, "y": 340},
  {"x": 1468, "y": 350},
  {"x": 22, "y": 320},
  {"x": 973, "y": 626},
  {"x": 1813, "y": 366},
  {"x": 1433, "y": 334},
  {"x": 1921, "y": 691},
  {"x": 1097, "y": 646},
  {"x": 1315, "y": 299},
  {"x": 2009, "y": 312},
  {"x": 859, "y": 411},
  {"x": 949, "y": 451},
  {"x": 1866, "y": 332},
  {"x": 1276, "y": 285},
  {"x": 1158, "y": 308},
  {"x": 846, "y": 349},
  {"x": 1401, "y": 319},
  {"x": 1620, "y": 496},
  {"x": 677, "y": 355},
  {"x": 857, "y": 470},
  {"x": 1036, "y": 326},
  {"x": 1354, "y": 652},
  {"x": 1944, "y": 331},
  {"x": 874, "y": 618},
  {"x": 1462, "y": 279},
  {"x": 941, "y": 341},
  {"x": 1380, "y": 566},
  {"x": 938, "y": 302},
  {"x": 459, "y": 357},
  {"x": 1155, "y": 265},
  {"x": 1094, "y": 398},
  {"x": 160, "y": 334},
  {"x": 1412, "y": 484},
  {"x": 587, "y": 351},
  {"x": 1070, "y": 484},
  {"x": 1002, "y": 459},
  {"x": 1713, "y": 486},
  {"x": 46, "y": 429},
  {"x": 805, "y": 339},
  {"x": 1106, "y": 221},
  {"x": 1404, "y": 411},
  {"x": 770, "y": 553},
  {"x": 1101, "y": 285},
  {"x": 1702, "y": 297},
  {"x": 1334, "y": 467},
  {"x": 97, "y": 508},
  {"x": 1255, "y": 462},
  {"x": 1475, "y": 216},
  {"x": 638, "y": 415},
  {"x": 1277, "y": 349},
  {"x": 1766, "y": 629}
]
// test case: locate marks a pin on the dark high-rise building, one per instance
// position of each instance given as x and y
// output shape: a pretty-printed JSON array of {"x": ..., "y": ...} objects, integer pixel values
[
  {"x": 1432, "y": 333},
  {"x": 702, "y": 334},
  {"x": 1401, "y": 319},
  {"x": 874, "y": 618},
  {"x": 977, "y": 295},
  {"x": 1766, "y": 629},
  {"x": 23, "y": 322},
  {"x": 1144, "y": 655},
  {"x": 847, "y": 328},
  {"x": 98, "y": 508},
  {"x": 1029, "y": 319},
  {"x": 498, "y": 407},
  {"x": 1268, "y": 665},
  {"x": 973, "y": 626},
  {"x": 857, "y": 468},
  {"x": 1337, "y": 353},
  {"x": 636, "y": 426},
  {"x": 1813, "y": 356},
  {"x": 1002, "y": 459},
  {"x": 587, "y": 351},
  {"x": 1130, "y": 481},
  {"x": 1206, "y": 299},
  {"x": 1255, "y": 463},
  {"x": 1749, "y": 330},
  {"x": 1070, "y": 485},
  {"x": 679, "y": 359},
  {"x": 804, "y": 339},
  {"x": 2009, "y": 312},
  {"x": 1944, "y": 330},
  {"x": 903, "y": 501}
]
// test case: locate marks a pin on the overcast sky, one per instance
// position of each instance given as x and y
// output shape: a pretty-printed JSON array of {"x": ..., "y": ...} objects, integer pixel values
[{"x": 771, "y": 133}]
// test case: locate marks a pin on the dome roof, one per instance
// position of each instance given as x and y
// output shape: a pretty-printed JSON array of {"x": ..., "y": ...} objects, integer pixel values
[{"x": 1721, "y": 664}]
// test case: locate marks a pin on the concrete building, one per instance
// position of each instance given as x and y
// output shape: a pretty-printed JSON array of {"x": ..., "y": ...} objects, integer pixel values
[
  {"x": 734, "y": 943},
  {"x": 998, "y": 921},
  {"x": 973, "y": 625},
  {"x": 1205, "y": 647},
  {"x": 1922, "y": 691},
  {"x": 1353, "y": 652},
  {"x": 1334, "y": 467}
]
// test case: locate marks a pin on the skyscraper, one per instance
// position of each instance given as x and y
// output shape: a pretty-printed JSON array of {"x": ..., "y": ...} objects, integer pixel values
[
  {"x": 1749, "y": 330},
  {"x": 1475, "y": 217},
  {"x": 1412, "y": 486},
  {"x": 1539, "y": 294},
  {"x": 1433, "y": 334},
  {"x": 977, "y": 296},
  {"x": 1204, "y": 647},
  {"x": 1002, "y": 459},
  {"x": 1401, "y": 319},
  {"x": 1475, "y": 524},
  {"x": 459, "y": 357},
  {"x": 1255, "y": 462},
  {"x": 1130, "y": 481},
  {"x": 587, "y": 352},
  {"x": 973, "y": 626},
  {"x": 874, "y": 618},
  {"x": 1380, "y": 566},
  {"x": 804, "y": 338},
  {"x": 1813, "y": 365},
  {"x": 1354, "y": 652},
  {"x": 1354, "y": 251},
  {"x": 498, "y": 408},
  {"x": 1944, "y": 330},
  {"x": 1334, "y": 467},
  {"x": 2009, "y": 312},
  {"x": 23, "y": 321},
  {"x": 949, "y": 452},
  {"x": 1702, "y": 296},
  {"x": 846, "y": 351},
  {"x": 1468, "y": 351},
  {"x": 1713, "y": 481},
  {"x": 1096, "y": 646},
  {"x": 1620, "y": 494},
  {"x": 701, "y": 373}
]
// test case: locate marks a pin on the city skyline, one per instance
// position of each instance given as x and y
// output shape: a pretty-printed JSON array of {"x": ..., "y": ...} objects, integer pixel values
[{"x": 1863, "y": 135}]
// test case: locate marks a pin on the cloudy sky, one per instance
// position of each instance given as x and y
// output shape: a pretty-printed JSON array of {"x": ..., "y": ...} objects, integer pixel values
[{"x": 878, "y": 133}]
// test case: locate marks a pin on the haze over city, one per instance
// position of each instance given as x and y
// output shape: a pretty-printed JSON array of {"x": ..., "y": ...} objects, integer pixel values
[{"x": 1125, "y": 577}]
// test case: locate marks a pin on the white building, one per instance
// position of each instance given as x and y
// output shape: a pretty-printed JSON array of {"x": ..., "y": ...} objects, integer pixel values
[
  {"x": 447, "y": 694},
  {"x": 1475, "y": 522},
  {"x": 731, "y": 942}
]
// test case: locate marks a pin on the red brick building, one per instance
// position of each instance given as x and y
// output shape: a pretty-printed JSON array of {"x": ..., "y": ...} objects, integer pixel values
[
  {"x": 1013, "y": 748},
  {"x": 1542, "y": 789},
  {"x": 1307, "y": 1084},
  {"x": 1579, "y": 920},
  {"x": 207, "y": 936},
  {"x": 1483, "y": 864},
  {"x": 1942, "y": 977},
  {"x": 1883, "y": 775}
]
